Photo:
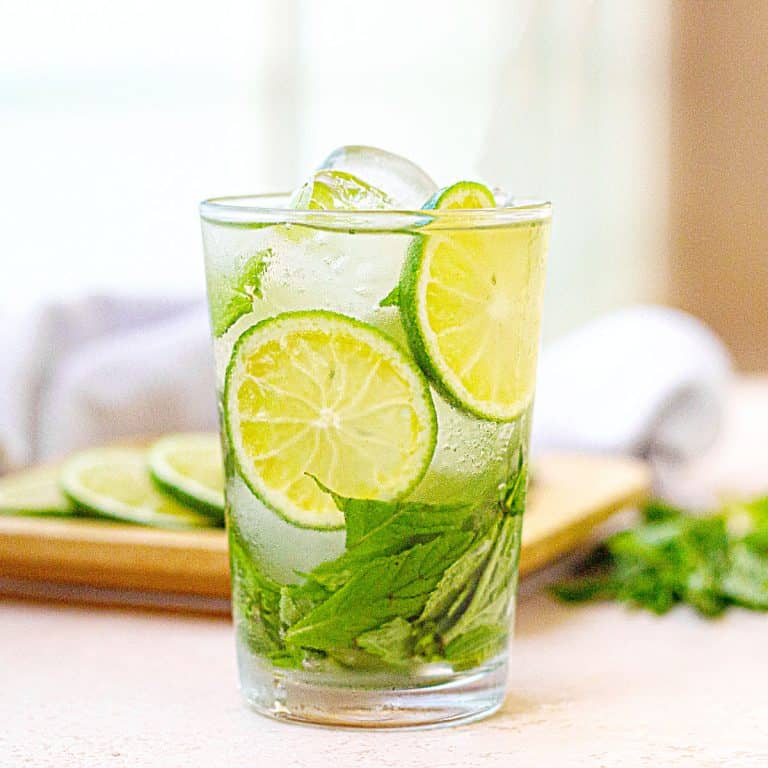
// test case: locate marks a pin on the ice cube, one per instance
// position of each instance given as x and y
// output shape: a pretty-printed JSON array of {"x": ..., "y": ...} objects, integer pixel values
[
  {"x": 282, "y": 550},
  {"x": 403, "y": 181},
  {"x": 502, "y": 197}
]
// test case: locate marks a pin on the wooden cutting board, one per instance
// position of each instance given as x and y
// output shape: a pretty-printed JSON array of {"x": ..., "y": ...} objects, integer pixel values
[{"x": 108, "y": 561}]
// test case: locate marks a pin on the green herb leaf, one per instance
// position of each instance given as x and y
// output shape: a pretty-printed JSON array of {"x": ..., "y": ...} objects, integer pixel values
[
  {"x": 495, "y": 587},
  {"x": 476, "y": 645},
  {"x": 257, "y": 599},
  {"x": 393, "y": 642},
  {"x": 676, "y": 557},
  {"x": 233, "y": 297},
  {"x": 388, "y": 587},
  {"x": 417, "y": 582},
  {"x": 379, "y": 528},
  {"x": 458, "y": 582},
  {"x": 746, "y": 582}
]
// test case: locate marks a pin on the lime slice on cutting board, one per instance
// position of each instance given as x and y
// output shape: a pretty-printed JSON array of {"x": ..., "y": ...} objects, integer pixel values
[
  {"x": 320, "y": 394},
  {"x": 33, "y": 492},
  {"x": 115, "y": 483},
  {"x": 189, "y": 467},
  {"x": 470, "y": 302}
]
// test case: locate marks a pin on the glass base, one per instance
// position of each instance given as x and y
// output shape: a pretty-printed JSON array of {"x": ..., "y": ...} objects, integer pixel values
[{"x": 434, "y": 699}]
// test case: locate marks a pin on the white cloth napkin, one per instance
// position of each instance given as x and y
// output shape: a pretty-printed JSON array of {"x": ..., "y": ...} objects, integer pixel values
[
  {"x": 646, "y": 380},
  {"x": 79, "y": 374}
]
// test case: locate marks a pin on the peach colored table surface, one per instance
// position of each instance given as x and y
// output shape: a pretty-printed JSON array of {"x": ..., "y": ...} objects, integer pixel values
[{"x": 594, "y": 686}]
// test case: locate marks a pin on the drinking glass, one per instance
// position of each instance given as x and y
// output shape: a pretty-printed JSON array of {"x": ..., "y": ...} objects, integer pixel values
[{"x": 375, "y": 375}]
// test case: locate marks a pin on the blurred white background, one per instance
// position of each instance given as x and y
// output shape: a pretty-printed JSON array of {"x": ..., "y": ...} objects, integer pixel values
[{"x": 117, "y": 118}]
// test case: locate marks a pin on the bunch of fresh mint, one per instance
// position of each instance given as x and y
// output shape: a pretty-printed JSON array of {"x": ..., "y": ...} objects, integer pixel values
[
  {"x": 675, "y": 557},
  {"x": 417, "y": 583}
]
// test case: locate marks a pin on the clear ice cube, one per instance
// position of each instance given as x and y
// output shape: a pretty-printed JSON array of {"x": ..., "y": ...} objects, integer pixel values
[
  {"x": 502, "y": 197},
  {"x": 408, "y": 186}
]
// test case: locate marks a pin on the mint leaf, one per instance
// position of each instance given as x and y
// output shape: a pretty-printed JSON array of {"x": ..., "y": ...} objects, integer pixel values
[
  {"x": 676, "y": 557},
  {"x": 379, "y": 528},
  {"x": 393, "y": 642},
  {"x": 297, "y": 600},
  {"x": 387, "y": 588},
  {"x": 255, "y": 597},
  {"x": 458, "y": 582},
  {"x": 517, "y": 490},
  {"x": 232, "y": 297},
  {"x": 746, "y": 582},
  {"x": 476, "y": 645},
  {"x": 492, "y": 596},
  {"x": 392, "y": 299},
  {"x": 418, "y": 582}
]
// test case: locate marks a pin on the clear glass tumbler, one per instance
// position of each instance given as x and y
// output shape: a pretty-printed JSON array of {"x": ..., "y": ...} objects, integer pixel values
[{"x": 375, "y": 373}]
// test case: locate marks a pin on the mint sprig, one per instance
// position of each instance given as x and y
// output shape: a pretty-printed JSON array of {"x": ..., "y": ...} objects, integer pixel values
[
  {"x": 676, "y": 557},
  {"x": 417, "y": 583},
  {"x": 387, "y": 588}
]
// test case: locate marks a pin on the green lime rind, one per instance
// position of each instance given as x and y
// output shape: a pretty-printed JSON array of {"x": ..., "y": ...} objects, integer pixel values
[
  {"x": 212, "y": 511},
  {"x": 190, "y": 489},
  {"x": 68, "y": 511},
  {"x": 461, "y": 195},
  {"x": 180, "y": 522},
  {"x": 333, "y": 317},
  {"x": 126, "y": 468}
]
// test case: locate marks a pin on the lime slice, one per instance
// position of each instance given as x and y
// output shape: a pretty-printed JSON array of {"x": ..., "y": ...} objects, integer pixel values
[
  {"x": 470, "y": 302},
  {"x": 189, "y": 467},
  {"x": 34, "y": 492},
  {"x": 114, "y": 482},
  {"x": 319, "y": 394},
  {"x": 338, "y": 190},
  {"x": 462, "y": 195}
]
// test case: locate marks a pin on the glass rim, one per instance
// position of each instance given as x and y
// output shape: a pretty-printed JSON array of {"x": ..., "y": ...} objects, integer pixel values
[{"x": 245, "y": 209}]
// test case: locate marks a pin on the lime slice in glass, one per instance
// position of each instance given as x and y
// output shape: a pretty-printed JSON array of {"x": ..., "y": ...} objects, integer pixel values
[
  {"x": 34, "y": 492},
  {"x": 115, "y": 483},
  {"x": 189, "y": 467},
  {"x": 462, "y": 195},
  {"x": 470, "y": 303},
  {"x": 338, "y": 190},
  {"x": 317, "y": 394}
]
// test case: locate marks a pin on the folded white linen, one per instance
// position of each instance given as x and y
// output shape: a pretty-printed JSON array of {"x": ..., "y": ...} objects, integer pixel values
[
  {"x": 646, "y": 380},
  {"x": 81, "y": 373}
]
